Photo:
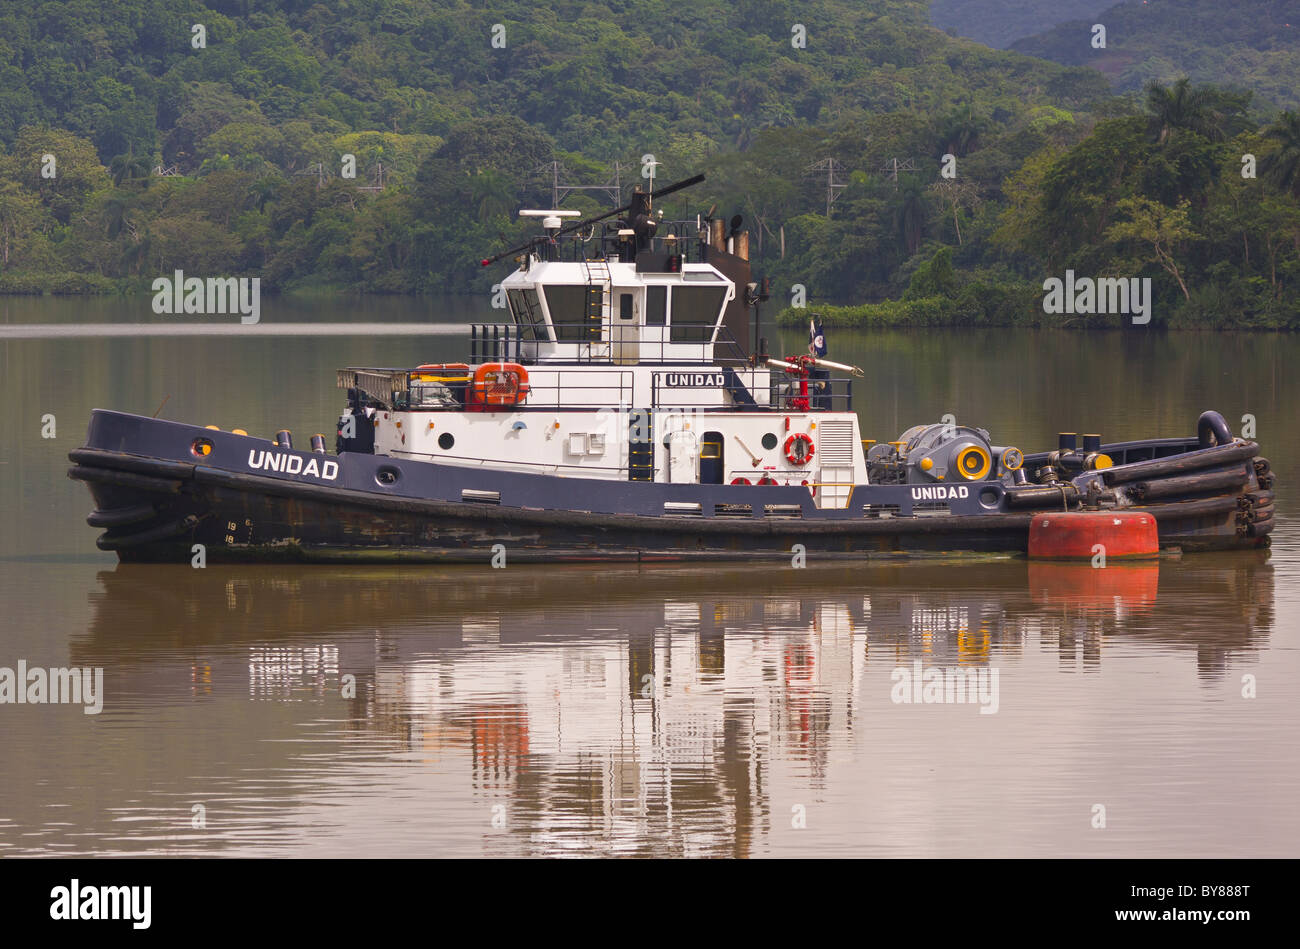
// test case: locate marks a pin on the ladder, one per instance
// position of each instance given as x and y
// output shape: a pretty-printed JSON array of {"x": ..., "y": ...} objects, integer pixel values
[
  {"x": 596, "y": 312},
  {"x": 640, "y": 445}
]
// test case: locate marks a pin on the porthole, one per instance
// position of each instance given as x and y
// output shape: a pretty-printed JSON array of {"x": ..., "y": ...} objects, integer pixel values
[
  {"x": 446, "y": 440},
  {"x": 769, "y": 441}
]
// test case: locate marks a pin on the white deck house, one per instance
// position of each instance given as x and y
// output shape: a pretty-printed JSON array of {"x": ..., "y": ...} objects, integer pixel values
[{"x": 627, "y": 369}]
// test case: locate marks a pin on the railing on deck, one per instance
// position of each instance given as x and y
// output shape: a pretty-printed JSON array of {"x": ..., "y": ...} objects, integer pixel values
[
  {"x": 495, "y": 342},
  {"x": 409, "y": 390},
  {"x": 603, "y": 243},
  {"x": 826, "y": 394},
  {"x": 597, "y": 342}
]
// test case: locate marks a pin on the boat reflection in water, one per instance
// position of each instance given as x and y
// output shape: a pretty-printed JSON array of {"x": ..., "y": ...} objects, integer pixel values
[{"x": 638, "y": 710}]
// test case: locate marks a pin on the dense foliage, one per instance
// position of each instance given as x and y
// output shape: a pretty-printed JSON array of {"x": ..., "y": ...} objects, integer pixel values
[
  {"x": 1188, "y": 193},
  {"x": 1248, "y": 44},
  {"x": 227, "y": 159},
  {"x": 998, "y": 23}
]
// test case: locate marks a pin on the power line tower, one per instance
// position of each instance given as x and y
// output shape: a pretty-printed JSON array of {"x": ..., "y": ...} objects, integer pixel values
[
  {"x": 892, "y": 167},
  {"x": 559, "y": 192},
  {"x": 315, "y": 168},
  {"x": 830, "y": 169},
  {"x": 377, "y": 179}
]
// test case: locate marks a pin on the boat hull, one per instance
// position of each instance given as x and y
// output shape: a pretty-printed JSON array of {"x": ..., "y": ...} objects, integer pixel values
[{"x": 158, "y": 503}]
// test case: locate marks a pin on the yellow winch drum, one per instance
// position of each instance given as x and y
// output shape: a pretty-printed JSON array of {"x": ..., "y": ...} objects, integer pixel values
[{"x": 973, "y": 463}]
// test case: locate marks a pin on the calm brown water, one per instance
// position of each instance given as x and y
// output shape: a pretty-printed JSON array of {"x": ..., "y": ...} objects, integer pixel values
[{"x": 732, "y": 710}]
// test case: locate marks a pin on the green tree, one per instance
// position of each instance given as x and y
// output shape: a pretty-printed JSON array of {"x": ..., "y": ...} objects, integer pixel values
[
  {"x": 911, "y": 214},
  {"x": 129, "y": 168},
  {"x": 936, "y": 277},
  {"x": 20, "y": 217},
  {"x": 264, "y": 190},
  {"x": 1282, "y": 167},
  {"x": 1158, "y": 229},
  {"x": 959, "y": 131},
  {"x": 1204, "y": 110},
  {"x": 64, "y": 180}
]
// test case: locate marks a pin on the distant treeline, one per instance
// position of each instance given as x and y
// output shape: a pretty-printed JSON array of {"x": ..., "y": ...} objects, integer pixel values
[
  {"x": 1244, "y": 45},
  {"x": 126, "y": 152}
]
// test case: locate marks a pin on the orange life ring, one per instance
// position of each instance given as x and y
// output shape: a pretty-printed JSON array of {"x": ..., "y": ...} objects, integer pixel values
[
  {"x": 740, "y": 481},
  {"x": 799, "y": 449},
  {"x": 500, "y": 384},
  {"x": 766, "y": 480}
]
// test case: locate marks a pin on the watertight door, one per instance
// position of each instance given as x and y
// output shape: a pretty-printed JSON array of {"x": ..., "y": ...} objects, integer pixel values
[
  {"x": 711, "y": 461},
  {"x": 626, "y": 330},
  {"x": 682, "y": 455}
]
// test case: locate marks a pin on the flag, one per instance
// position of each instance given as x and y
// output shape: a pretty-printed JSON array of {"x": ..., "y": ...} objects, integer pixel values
[{"x": 816, "y": 336}]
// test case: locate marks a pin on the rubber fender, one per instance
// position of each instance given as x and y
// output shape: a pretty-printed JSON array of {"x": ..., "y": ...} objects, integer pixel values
[
  {"x": 121, "y": 516},
  {"x": 1211, "y": 423}
]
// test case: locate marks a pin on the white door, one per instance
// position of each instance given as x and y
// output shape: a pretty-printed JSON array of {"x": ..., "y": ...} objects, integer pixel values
[
  {"x": 683, "y": 455},
  {"x": 626, "y": 332}
]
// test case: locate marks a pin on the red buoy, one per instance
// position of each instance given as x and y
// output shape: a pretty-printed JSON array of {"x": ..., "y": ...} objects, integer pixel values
[{"x": 1078, "y": 535}]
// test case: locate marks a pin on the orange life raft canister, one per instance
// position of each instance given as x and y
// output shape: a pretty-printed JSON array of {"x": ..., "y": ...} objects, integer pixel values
[{"x": 498, "y": 384}]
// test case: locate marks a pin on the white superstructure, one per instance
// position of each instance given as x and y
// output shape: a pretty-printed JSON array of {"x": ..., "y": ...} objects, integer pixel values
[{"x": 629, "y": 362}]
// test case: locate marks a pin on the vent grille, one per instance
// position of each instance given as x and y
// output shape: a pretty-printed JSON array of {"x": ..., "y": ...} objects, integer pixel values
[
  {"x": 880, "y": 510},
  {"x": 683, "y": 508},
  {"x": 836, "y": 443},
  {"x": 921, "y": 508}
]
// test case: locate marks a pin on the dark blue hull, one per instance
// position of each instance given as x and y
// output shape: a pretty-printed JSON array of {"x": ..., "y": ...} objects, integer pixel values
[{"x": 249, "y": 501}]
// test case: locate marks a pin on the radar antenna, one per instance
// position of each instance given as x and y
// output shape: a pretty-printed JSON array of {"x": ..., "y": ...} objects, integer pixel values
[{"x": 639, "y": 220}]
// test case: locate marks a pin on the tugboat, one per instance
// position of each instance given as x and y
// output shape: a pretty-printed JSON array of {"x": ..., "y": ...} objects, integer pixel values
[{"x": 629, "y": 410}]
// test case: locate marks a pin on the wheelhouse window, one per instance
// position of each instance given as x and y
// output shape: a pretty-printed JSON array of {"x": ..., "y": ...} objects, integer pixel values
[
  {"x": 575, "y": 311},
  {"x": 527, "y": 311},
  {"x": 695, "y": 312},
  {"x": 656, "y": 305}
]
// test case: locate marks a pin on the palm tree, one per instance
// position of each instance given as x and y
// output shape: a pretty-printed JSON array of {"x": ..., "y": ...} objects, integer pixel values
[
  {"x": 1282, "y": 167},
  {"x": 910, "y": 215},
  {"x": 263, "y": 191},
  {"x": 959, "y": 132},
  {"x": 129, "y": 167},
  {"x": 114, "y": 214},
  {"x": 1182, "y": 107},
  {"x": 136, "y": 252},
  {"x": 492, "y": 194}
]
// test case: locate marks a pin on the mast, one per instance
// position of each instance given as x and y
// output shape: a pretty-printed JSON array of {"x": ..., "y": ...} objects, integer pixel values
[{"x": 639, "y": 219}]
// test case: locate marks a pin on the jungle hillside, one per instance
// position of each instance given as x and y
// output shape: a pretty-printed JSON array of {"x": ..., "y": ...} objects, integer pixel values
[
  {"x": 999, "y": 23},
  {"x": 1249, "y": 46},
  {"x": 385, "y": 146}
]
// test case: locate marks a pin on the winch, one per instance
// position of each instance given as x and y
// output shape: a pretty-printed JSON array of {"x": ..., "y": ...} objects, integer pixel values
[{"x": 925, "y": 454}]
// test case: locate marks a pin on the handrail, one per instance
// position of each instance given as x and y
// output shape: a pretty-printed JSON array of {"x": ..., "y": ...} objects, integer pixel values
[
  {"x": 837, "y": 396},
  {"x": 496, "y": 342},
  {"x": 471, "y": 461},
  {"x": 392, "y": 388}
]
